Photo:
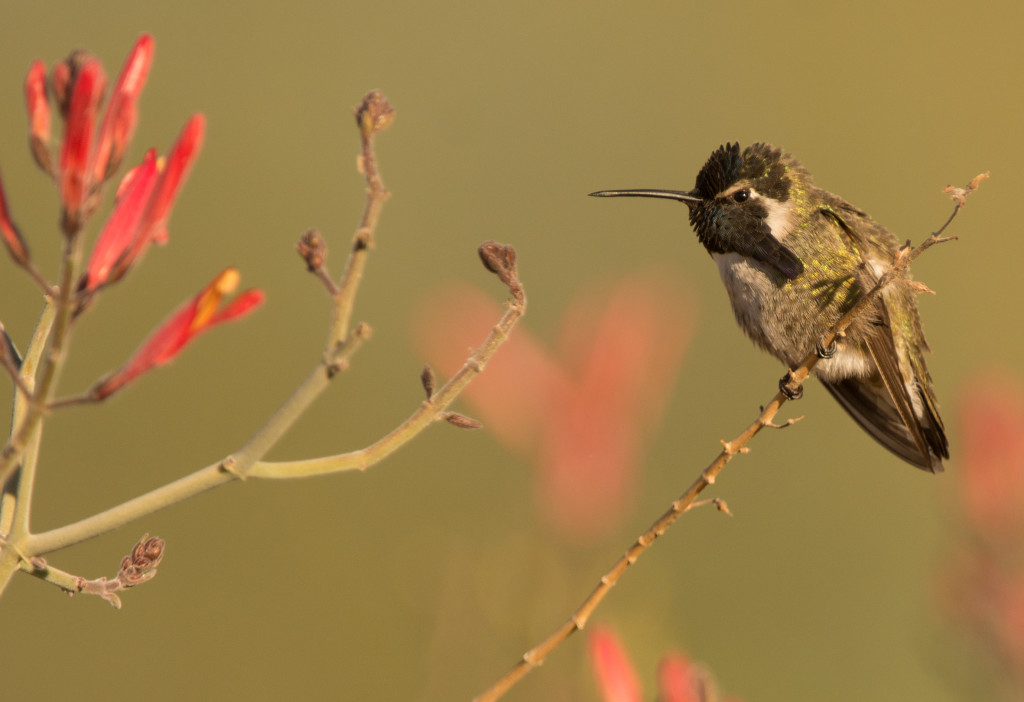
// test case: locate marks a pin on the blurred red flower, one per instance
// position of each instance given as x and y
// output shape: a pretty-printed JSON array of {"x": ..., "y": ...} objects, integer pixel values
[
  {"x": 679, "y": 679},
  {"x": 613, "y": 671},
  {"x": 983, "y": 583},
  {"x": 992, "y": 416},
  {"x": 582, "y": 412}
]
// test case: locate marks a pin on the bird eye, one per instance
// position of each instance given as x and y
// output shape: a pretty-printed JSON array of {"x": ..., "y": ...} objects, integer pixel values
[{"x": 741, "y": 195}]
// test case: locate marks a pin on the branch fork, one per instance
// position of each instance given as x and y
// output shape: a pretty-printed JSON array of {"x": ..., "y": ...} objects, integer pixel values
[{"x": 36, "y": 373}]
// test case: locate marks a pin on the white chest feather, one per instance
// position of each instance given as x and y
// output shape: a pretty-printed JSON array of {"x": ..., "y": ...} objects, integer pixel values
[
  {"x": 765, "y": 313},
  {"x": 747, "y": 283}
]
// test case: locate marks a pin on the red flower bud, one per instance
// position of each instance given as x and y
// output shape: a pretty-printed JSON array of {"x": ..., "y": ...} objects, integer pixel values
[
  {"x": 12, "y": 238},
  {"x": 120, "y": 230},
  {"x": 122, "y": 113},
  {"x": 76, "y": 183},
  {"x": 152, "y": 226},
  {"x": 197, "y": 315},
  {"x": 38, "y": 114},
  {"x": 616, "y": 678}
]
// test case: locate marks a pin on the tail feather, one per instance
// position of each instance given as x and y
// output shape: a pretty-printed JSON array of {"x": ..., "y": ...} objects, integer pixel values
[{"x": 871, "y": 405}]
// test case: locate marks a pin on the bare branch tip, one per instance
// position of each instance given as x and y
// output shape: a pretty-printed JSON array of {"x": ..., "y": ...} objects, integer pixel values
[
  {"x": 362, "y": 331},
  {"x": 919, "y": 287},
  {"x": 721, "y": 505},
  {"x": 788, "y": 423},
  {"x": 140, "y": 565},
  {"x": 959, "y": 195},
  {"x": 374, "y": 113},
  {"x": 500, "y": 259},
  {"x": 312, "y": 249},
  {"x": 428, "y": 380},
  {"x": 462, "y": 421}
]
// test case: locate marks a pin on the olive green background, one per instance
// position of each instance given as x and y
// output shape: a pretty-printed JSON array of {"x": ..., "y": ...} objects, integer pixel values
[{"x": 426, "y": 577}]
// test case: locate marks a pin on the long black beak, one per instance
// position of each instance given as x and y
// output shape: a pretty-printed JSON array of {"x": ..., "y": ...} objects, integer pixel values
[{"x": 683, "y": 196}]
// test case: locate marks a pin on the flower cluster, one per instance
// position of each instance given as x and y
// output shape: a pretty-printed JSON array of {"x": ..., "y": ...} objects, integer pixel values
[{"x": 96, "y": 135}]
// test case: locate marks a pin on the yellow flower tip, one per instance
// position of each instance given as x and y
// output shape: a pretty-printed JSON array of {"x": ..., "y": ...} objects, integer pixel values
[
  {"x": 209, "y": 299},
  {"x": 227, "y": 282}
]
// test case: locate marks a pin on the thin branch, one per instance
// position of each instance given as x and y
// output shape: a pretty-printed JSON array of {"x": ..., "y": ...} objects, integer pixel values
[
  {"x": 11, "y": 509},
  {"x": 242, "y": 464},
  {"x": 16, "y": 492},
  {"x": 137, "y": 567},
  {"x": 373, "y": 115},
  {"x": 11, "y": 366},
  {"x": 432, "y": 409},
  {"x": 40, "y": 280},
  {"x": 53, "y": 360},
  {"x": 313, "y": 250},
  {"x": 793, "y": 380}
]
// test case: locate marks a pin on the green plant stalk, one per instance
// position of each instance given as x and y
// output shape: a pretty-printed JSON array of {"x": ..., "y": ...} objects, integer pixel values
[
  {"x": 431, "y": 410},
  {"x": 53, "y": 361},
  {"x": 363, "y": 240},
  {"x": 11, "y": 509},
  {"x": 220, "y": 473},
  {"x": 51, "y": 337},
  {"x": 233, "y": 468}
]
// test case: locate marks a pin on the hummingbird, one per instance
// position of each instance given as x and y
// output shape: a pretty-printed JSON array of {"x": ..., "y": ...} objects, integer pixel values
[{"x": 794, "y": 258}]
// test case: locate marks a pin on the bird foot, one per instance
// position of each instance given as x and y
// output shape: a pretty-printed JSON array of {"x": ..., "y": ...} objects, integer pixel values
[
  {"x": 825, "y": 351},
  {"x": 788, "y": 388}
]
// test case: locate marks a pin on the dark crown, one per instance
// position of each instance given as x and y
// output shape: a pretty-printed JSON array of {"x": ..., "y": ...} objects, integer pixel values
[{"x": 768, "y": 169}]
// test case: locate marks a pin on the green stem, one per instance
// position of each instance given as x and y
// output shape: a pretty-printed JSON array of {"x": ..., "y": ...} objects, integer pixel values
[
  {"x": 429, "y": 412},
  {"x": 53, "y": 362},
  {"x": 9, "y": 498},
  {"x": 362, "y": 242},
  {"x": 189, "y": 486},
  {"x": 242, "y": 464}
]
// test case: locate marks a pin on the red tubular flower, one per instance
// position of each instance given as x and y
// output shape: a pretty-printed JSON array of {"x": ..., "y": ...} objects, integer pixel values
[
  {"x": 38, "y": 114},
  {"x": 152, "y": 222},
  {"x": 616, "y": 679},
  {"x": 75, "y": 181},
  {"x": 197, "y": 315},
  {"x": 983, "y": 584},
  {"x": 144, "y": 201},
  {"x": 184, "y": 153},
  {"x": 120, "y": 230},
  {"x": 12, "y": 238},
  {"x": 679, "y": 680},
  {"x": 121, "y": 116},
  {"x": 992, "y": 417}
]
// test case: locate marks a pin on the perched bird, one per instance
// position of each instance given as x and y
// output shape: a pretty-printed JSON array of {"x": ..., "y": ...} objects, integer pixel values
[{"x": 794, "y": 258}]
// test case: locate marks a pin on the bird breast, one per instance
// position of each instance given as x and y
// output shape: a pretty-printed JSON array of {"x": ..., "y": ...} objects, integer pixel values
[{"x": 769, "y": 310}]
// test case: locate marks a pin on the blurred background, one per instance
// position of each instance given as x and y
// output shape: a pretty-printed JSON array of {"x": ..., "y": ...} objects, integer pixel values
[{"x": 844, "y": 574}]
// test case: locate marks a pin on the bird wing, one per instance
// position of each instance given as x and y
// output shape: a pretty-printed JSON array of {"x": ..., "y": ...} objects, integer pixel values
[
  {"x": 883, "y": 404},
  {"x": 869, "y": 403}
]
